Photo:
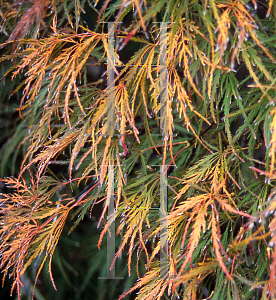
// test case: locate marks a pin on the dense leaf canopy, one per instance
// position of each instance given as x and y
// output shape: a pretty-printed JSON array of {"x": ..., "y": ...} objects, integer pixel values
[{"x": 216, "y": 158}]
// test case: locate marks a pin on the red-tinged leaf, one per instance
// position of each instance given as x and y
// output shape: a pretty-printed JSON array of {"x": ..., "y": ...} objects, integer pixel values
[{"x": 217, "y": 244}]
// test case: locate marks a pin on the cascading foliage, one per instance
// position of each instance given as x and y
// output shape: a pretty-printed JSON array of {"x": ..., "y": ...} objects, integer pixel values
[{"x": 219, "y": 157}]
